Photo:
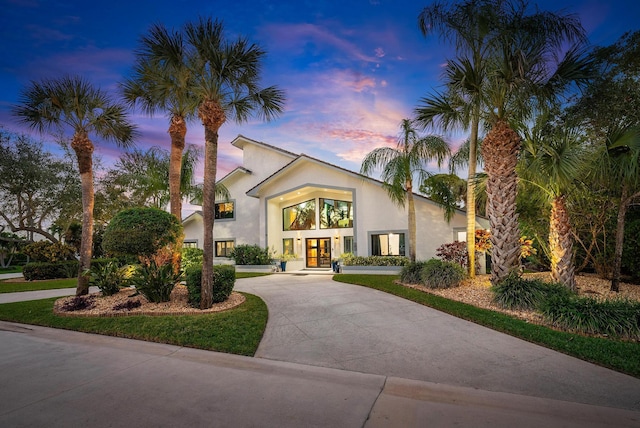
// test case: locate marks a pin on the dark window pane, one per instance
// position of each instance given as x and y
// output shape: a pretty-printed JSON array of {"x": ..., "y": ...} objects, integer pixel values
[{"x": 300, "y": 217}]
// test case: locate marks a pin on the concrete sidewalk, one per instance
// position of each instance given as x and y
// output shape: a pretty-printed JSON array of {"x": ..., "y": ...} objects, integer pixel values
[
  {"x": 59, "y": 378},
  {"x": 317, "y": 321},
  {"x": 24, "y": 296}
]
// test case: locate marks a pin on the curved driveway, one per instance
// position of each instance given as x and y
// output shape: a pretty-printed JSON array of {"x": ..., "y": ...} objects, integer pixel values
[{"x": 314, "y": 320}]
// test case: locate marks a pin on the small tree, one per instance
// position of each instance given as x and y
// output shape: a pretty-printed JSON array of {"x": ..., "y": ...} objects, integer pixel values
[{"x": 141, "y": 232}]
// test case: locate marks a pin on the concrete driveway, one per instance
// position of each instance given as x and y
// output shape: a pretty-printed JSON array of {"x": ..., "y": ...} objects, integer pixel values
[{"x": 314, "y": 320}]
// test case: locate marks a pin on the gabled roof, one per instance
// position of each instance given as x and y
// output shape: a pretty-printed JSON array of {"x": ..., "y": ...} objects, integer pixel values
[
  {"x": 192, "y": 215},
  {"x": 234, "y": 172},
  {"x": 306, "y": 158},
  {"x": 241, "y": 140}
]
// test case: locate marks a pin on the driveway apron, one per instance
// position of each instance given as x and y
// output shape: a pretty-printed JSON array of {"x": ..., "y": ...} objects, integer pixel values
[{"x": 317, "y": 321}]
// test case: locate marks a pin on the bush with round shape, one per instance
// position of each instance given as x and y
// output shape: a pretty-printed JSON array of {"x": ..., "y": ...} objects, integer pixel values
[
  {"x": 245, "y": 254},
  {"x": 412, "y": 273},
  {"x": 47, "y": 251},
  {"x": 439, "y": 274},
  {"x": 224, "y": 278},
  {"x": 141, "y": 232}
]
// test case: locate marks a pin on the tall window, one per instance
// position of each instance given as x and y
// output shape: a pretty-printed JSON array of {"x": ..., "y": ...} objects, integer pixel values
[
  {"x": 225, "y": 210},
  {"x": 301, "y": 216},
  {"x": 224, "y": 248},
  {"x": 287, "y": 246},
  {"x": 334, "y": 214},
  {"x": 348, "y": 244},
  {"x": 387, "y": 244}
]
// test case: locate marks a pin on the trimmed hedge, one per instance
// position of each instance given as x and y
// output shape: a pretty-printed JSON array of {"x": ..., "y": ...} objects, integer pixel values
[
  {"x": 56, "y": 270},
  {"x": 351, "y": 260},
  {"x": 224, "y": 278},
  {"x": 245, "y": 254}
]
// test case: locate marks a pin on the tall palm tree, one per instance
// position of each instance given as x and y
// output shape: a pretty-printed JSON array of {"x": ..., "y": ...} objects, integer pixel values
[
  {"x": 161, "y": 82},
  {"x": 400, "y": 165},
  {"x": 465, "y": 24},
  {"x": 521, "y": 77},
  {"x": 74, "y": 103},
  {"x": 227, "y": 85},
  {"x": 554, "y": 160}
]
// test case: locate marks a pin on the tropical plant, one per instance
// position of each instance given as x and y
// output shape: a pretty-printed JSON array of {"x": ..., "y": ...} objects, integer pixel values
[
  {"x": 439, "y": 274},
  {"x": 110, "y": 277},
  {"x": 399, "y": 166},
  {"x": 226, "y": 83},
  {"x": 460, "y": 105},
  {"x": 447, "y": 190},
  {"x": 155, "y": 281},
  {"x": 554, "y": 160},
  {"x": 74, "y": 103},
  {"x": 162, "y": 82}
]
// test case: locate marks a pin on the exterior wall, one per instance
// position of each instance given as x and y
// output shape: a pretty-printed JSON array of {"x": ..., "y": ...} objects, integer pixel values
[{"x": 194, "y": 229}]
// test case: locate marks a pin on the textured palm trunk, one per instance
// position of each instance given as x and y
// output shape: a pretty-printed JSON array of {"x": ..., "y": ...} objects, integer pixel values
[
  {"x": 83, "y": 148},
  {"x": 500, "y": 152},
  {"x": 212, "y": 116},
  {"x": 177, "y": 132},
  {"x": 412, "y": 222},
  {"x": 471, "y": 195},
  {"x": 561, "y": 244}
]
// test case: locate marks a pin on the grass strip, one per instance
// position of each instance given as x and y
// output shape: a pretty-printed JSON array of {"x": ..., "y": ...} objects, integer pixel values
[
  {"x": 618, "y": 355},
  {"x": 13, "y": 287},
  {"x": 236, "y": 331}
]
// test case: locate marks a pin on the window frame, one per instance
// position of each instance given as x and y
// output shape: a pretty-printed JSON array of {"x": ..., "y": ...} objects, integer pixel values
[
  {"x": 232, "y": 218},
  {"x": 335, "y": 202},
  {"x": 227, "y": 250},
  {"x": 315, "y": 214},
  {"x": 402, "y": 249}
]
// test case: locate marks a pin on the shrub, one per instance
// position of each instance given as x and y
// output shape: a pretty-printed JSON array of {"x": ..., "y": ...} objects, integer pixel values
[
  {"x": 65, "y": 269},
  {"x": 191, "y": 257},
  {"x": 109, "y": 277},
  {"x": 127, "y": 305},
  {"x": 155, "y": 281},
  {"x": 412, "y": 273},
  {"x": 455, "y": 252},
  {"x": 251, "y": 255},
  {"x": 617, "y": 318},
  {"x": 515, "y": 292},
  {"x": 440, "y": 274},
  {"x": 224, "y": 278},
  {"x": 351, "y": 260},
  {"x": 631, "y": 251},
  {"x": 140, "y": 232},
  {"x": 79, "y": 303},
  {"x": 46, "y": 251}
]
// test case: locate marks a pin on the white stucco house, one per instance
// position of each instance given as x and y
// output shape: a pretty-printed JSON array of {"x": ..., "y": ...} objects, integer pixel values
[{"x": 296, "y": 204}]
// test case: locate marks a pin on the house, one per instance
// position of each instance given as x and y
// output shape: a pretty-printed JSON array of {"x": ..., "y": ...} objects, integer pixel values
[{"x": 297, "y": 204}]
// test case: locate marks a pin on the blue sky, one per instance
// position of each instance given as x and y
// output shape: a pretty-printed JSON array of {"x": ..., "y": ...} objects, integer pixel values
[{"x": 352, "y": 69}]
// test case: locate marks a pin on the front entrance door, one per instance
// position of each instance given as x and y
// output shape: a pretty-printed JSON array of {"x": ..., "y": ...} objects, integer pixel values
[{"x": 318, "y": 252}]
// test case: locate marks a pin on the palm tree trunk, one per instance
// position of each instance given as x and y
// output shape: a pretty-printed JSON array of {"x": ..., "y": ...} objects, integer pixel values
[
  {"x": 412, "y": 222},
  {"x": 84, "y": 152},
  {"x": 471, "y": 194},
  {"x": 177, "y": 131},
  {"x": 561, "y": 244},
  {"x": 500, "y": 153},
  {"x": 213, "y": 117}
]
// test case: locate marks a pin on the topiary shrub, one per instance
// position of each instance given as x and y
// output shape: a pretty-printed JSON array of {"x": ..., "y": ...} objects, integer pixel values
[
  {"x": 439, "y": 274},
  {"x": 155, "y": 281},
  {"x": 46, "y": 251},
  {"x": 251, "y": 255},
  {"x": 412, "y": 273},
  {"x": 140, "y": 232},
  {"x": 616, "y": 318},
  {"x": 224, "y": 278}
]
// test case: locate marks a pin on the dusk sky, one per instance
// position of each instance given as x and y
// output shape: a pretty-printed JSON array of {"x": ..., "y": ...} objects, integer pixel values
[{"x": 352, "y": 70}]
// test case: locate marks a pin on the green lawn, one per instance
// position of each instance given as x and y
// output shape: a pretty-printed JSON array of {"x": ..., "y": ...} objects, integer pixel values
[
  {"x": 617, "y": 355},
  {"x": 236, "y": 331},
  {"x": 11, "y": 269},
  {"x": 11, "y": 287}
]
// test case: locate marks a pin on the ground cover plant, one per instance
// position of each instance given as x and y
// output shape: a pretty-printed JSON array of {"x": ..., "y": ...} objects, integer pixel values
[
  {"x": 236, "y": 331},
  {"x": 615, "y": 354}
]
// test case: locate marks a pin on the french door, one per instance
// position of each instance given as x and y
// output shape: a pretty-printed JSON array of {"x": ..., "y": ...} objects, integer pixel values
[{"x": 318, "y": 252}]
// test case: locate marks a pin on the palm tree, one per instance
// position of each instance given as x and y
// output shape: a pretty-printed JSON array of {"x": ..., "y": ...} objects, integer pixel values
[
  {"x": 72, "y": 102},
  {"x": 227, "y": 85},
  {"x": 161, "y": 82},
  {"x": 400, "y": 164},
  {"x": 521, "y": 77},
  {"x": 554, "y": 160}
]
